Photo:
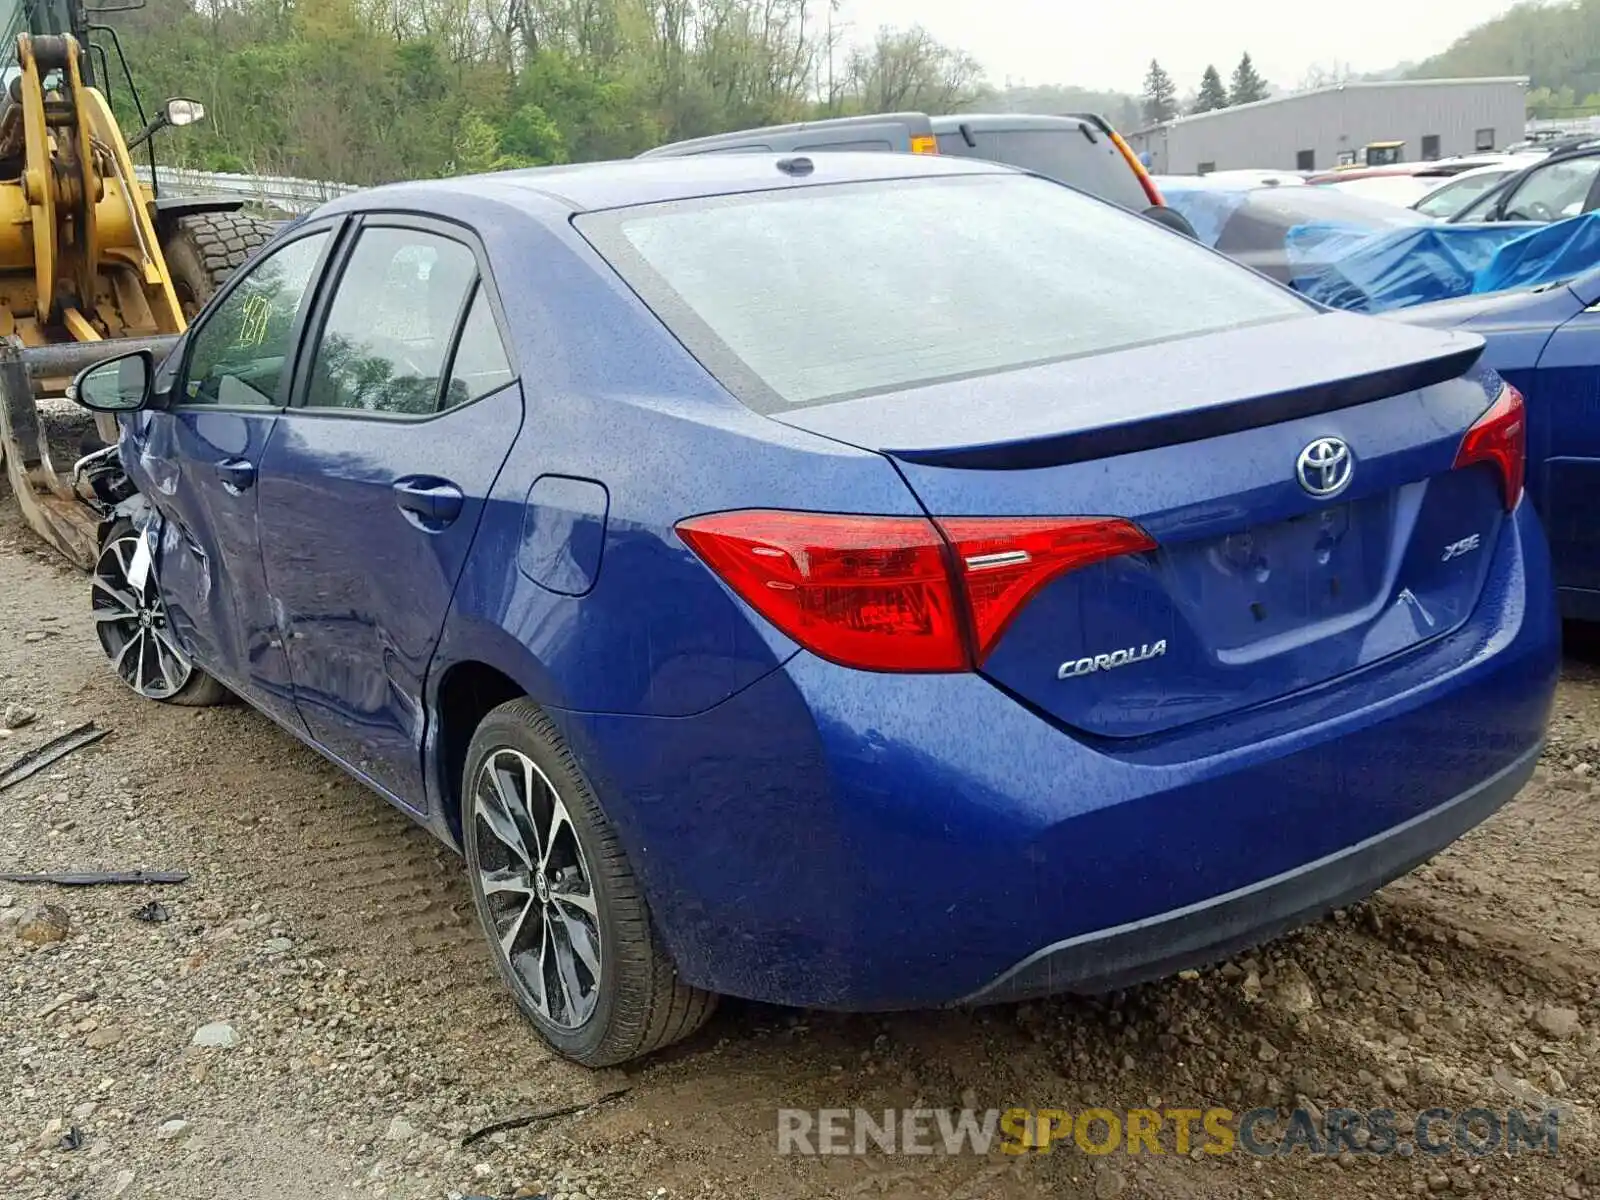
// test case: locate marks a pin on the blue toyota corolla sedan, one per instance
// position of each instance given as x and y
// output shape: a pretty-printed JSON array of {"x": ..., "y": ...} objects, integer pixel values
[{"x": 862, "y": 582}]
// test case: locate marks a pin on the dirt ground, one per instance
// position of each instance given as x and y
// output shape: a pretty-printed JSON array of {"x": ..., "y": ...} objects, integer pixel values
[{"x": 329, "y": 947}]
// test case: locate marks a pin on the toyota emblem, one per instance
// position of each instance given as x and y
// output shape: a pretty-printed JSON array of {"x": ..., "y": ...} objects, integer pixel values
[{"x": 1324, "y": 467}]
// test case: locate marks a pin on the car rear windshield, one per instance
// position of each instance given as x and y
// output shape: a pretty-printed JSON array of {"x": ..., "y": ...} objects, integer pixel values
[
  {"x": 814, "y": 294},
  {"x": 1062, "y": 153}
]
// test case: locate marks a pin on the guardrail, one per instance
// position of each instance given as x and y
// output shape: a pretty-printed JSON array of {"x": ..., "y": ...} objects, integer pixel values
[
  {"x": 281, "y": 192},
  {"x": 1573, "y": 125}
]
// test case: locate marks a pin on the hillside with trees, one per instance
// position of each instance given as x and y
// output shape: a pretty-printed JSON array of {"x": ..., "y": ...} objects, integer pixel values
[
  {"x": 364, "y": 91},
  {"x": 1556, "y": 45}
]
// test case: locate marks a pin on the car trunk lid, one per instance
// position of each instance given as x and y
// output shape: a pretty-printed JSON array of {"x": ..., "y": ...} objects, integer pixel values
[{"x": 1297, "y": 479}]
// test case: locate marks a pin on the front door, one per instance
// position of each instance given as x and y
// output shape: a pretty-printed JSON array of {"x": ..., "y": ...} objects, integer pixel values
[
  {"x": 373, "y": 484},
  {"x": 197, "y": 462}
]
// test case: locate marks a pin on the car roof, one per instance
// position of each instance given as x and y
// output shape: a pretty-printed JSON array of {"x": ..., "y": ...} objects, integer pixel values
[{"x": 586, "y": 187}]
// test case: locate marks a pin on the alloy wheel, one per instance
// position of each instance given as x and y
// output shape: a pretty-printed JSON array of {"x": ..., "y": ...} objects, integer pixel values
[
  {"x": 132, "y": 625},
  {"x": 537, "y": 888}
]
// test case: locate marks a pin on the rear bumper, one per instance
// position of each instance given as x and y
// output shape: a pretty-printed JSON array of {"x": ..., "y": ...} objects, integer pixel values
[
  {"x": 845, "y": 840},
  {"x": 1159, "y": 946}
]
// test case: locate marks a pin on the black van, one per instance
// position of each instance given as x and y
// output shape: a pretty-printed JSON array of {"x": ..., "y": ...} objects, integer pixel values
[{"x": 1081, "y": 149}]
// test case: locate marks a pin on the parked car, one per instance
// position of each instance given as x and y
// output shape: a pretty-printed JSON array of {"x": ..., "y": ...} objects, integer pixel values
[
  {"x": 1249, "y": 178},
  {"x": 1403, "y": 191},
  {"x": 1404, "y": 183},
  {"x": 1052, "y": 603},
  {"x": 1345, "y": 174},
  {"x": 1451, "y": 196},
  {"x": 1553, "y": 188},
  {"x": 1546, "y": 341},
  {"x": 1252, "y": 224},
  {"x": 1082, "y": 150}
]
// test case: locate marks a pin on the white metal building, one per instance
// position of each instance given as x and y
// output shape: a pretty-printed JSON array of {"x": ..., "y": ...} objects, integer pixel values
[{"x": 1322, "y": 129}]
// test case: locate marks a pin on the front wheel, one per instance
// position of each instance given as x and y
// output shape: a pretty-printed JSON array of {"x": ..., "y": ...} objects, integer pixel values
[
  {"x": 568, "y": 927},
  {"x": 131, "y": 623}
]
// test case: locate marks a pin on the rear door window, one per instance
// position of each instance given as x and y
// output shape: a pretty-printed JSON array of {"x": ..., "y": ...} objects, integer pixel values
[
  {"x": 823, "y": 293},
  {"x": 1062, "y": 153},
  {"x": 388, "y": 332}
]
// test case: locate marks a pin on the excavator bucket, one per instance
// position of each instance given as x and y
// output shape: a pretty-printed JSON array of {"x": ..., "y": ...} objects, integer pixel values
[{"x": 57, "y": 506}]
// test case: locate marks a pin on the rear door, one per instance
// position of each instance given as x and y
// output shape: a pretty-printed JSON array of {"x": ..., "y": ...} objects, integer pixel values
[{"x": 371, "y": 491}]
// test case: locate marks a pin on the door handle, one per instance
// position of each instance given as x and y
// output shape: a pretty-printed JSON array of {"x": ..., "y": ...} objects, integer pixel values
[
  {"x": 432, "y": 502},
  {"x": 237, "y": 474}
]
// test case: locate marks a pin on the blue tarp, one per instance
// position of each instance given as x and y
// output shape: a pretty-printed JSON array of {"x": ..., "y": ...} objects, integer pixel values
[
  {"x": 1375, "y": 271},
  {"x": 1205, "y": 207}
]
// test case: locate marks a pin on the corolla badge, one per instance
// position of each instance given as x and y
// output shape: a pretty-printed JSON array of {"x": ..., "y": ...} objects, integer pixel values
[{"x": 1072, "y": 668}]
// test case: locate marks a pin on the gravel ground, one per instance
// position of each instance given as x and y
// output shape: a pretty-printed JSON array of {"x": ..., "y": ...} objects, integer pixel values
[{"x": 315, "y": 1018}]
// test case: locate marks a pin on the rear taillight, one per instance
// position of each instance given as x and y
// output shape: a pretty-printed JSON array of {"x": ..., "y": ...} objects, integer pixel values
[
  {"x": 924, "y": 143},
  {"x": 1151, "y": 192},
  {"x": 898, "y": 593},
  {"x": 1003, "y": 561},
  {"x": 1500, "y": 438}
]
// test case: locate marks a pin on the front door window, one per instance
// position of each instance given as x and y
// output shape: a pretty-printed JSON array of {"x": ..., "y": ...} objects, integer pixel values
[{"x": 237, "y": 355}]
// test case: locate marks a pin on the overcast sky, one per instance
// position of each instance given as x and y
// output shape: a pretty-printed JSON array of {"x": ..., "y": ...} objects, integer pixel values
[{"x": 1110, "y": 45}]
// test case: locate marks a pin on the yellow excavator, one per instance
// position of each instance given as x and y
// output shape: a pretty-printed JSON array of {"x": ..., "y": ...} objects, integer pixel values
[{"x": 93, "y": 260}]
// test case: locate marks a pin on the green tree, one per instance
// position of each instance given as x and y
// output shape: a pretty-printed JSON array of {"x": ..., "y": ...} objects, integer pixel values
[
  {"x": 1212, "y": 95},
  {"x": 1160, "y": 95},
  {"x": 362, "y": 92},
  {"x": 1248, "y": 86},
  {"x": 909, "y": 70}
]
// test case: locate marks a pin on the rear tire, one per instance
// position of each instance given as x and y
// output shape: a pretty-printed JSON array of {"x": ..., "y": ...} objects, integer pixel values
[
  {"x": 567, "y": 923},
  {"x": 133, "y": 631},
  {"x": 203, "y": 249}
]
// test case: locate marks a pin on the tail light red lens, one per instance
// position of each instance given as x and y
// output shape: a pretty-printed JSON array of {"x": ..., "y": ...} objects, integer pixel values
[
  {"x": 1500, "y": 438},
  {"x": 1003, "y": 561},
  {"x": 898, "y": 593}
]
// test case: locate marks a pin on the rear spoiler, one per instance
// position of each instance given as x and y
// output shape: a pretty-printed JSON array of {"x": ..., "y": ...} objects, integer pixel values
[
  {"x": 1173, "y": 428},
  {"x": 1014, "y": 423}
]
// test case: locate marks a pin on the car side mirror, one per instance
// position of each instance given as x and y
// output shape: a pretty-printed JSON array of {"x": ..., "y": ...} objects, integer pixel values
[{"x": 118, "y": 385}]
